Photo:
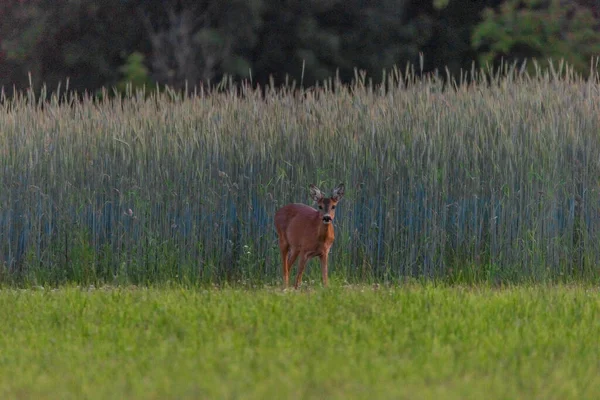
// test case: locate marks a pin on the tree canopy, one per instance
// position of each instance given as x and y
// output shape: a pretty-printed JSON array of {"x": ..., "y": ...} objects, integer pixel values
[{"x": 178, "y": 42}]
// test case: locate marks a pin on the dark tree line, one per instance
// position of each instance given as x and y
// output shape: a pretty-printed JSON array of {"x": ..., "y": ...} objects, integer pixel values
[{"x": 111, "y": 42}]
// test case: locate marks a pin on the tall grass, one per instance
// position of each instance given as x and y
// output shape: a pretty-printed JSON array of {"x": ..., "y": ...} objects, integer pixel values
[{"x": 495, "y": 177}]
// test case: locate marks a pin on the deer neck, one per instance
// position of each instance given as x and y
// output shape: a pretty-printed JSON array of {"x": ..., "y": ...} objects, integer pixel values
[{"x": 326, "y": 232}]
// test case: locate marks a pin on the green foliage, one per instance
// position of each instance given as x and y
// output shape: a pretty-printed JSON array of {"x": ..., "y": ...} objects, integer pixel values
[
  {"x": 351, "y": 342},
  {"x": 450, "y": 25},
  {"x": 308, "y": 41},
  {"x": 134, "y": 73},
  {"x": 314, "y": 40},
  {"x": 539, "y": 29},
  {"x": 200, "y": 42},
  {"x": 440, "y": 4},
  {"x": 191, "y": 43},
  {"x": 81, "y": 41}
]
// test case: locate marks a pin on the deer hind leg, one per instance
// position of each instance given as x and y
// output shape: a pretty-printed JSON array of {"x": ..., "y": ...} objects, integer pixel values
[
  {"x": 285, "y": 248},
  {"x": 292, "y": 256},
  {"x": 301, "y": 266}
]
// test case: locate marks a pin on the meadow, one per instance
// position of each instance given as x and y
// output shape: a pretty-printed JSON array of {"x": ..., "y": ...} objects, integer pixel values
[
  {"x": 490, "y": 178},
  {"x": 138, "y": 257},
  {"x": 410, "y": 342}
]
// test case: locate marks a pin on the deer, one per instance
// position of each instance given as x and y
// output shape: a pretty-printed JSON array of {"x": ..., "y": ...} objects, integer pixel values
[{"x": 306, "y": 232}]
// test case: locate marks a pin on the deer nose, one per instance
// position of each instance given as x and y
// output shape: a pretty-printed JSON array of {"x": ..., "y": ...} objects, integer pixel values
[{"x": 326, "y": 218}]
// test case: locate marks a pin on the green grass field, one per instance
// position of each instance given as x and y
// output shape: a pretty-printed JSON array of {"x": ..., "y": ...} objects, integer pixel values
[
  {"x": 345, "y": 342},
  {"x": 493, "y": 181}
]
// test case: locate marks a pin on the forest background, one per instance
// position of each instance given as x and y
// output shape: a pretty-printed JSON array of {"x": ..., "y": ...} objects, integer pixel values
[{"x": 108, "y": 43}]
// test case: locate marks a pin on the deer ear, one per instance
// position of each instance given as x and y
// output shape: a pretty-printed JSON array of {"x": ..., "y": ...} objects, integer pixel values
[
  {"x": 338, "y": 192},
  {"x": 315, "y": 193}
]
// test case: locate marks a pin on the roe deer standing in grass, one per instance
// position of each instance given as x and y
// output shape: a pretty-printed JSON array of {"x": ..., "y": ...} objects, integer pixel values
[{"x": 306, "y": 232}]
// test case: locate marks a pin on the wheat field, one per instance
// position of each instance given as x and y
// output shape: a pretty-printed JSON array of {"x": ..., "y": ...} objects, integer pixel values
[{"x": 491, "y": 178}]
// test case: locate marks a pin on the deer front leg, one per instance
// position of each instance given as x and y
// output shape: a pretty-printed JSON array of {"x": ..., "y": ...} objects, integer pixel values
[{"x": 323, "y": 259}]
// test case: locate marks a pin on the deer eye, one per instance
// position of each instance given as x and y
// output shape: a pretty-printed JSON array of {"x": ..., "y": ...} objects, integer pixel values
[
  {"x": 320, "y": 207},
  {"x": 333, "y": 207}
]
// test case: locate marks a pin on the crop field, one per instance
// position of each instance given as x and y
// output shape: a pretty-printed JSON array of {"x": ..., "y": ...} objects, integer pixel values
[
  {"x": 409, "y": 342},
  {"x": 138, "y": 257},
  {"x": 495, "y": 180}
]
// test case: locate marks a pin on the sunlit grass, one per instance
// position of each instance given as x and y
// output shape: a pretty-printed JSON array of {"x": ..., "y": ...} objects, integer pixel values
[{"x": 348, "y": 342}]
